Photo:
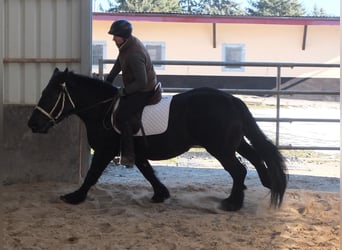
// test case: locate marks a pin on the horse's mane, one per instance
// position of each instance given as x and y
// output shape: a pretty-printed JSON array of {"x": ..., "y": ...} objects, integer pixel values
[{"x": 89, "y": 82}]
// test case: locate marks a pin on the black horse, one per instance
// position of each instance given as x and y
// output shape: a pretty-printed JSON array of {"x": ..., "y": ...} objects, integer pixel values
[{"x": 205, "y": 117}]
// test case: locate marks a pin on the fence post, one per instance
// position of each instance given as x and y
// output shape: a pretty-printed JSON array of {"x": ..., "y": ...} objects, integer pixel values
[
  {"x": 101, "y": 69},
  {"x": 278, "y": 83}
]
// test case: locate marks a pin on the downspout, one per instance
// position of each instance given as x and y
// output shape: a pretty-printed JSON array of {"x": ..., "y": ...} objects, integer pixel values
[
  {"x": 304, "y": 37},
  {"x": 214, "y": 35}
]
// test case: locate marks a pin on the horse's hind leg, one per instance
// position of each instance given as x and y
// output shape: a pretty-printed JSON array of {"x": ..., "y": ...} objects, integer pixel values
[
  {"x": 161, "y": 193},
  {"x": 238, "y": 172}
]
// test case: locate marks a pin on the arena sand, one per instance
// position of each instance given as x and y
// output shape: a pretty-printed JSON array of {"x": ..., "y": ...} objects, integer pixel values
[{"x": 118, "y": 214}]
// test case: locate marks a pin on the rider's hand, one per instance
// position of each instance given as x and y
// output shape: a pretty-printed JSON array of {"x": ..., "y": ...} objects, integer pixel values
[{"x": 122, "y": 92}]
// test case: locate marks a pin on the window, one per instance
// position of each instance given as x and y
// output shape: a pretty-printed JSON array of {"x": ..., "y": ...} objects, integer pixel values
[
  {"x": 233, "y": 53},
  {"x": 157, "y": 52},
  {"x": 98, "y": 52}
]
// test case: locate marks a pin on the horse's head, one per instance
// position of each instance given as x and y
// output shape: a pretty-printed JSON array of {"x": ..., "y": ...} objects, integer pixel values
[{"x": 54, "y": 104}]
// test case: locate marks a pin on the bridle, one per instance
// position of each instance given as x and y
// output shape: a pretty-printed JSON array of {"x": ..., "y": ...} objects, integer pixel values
[{"x": 63, "y": 95}]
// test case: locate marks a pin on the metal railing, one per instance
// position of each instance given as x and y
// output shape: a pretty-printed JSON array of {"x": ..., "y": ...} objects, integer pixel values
[{"x": 278, "y": 92}]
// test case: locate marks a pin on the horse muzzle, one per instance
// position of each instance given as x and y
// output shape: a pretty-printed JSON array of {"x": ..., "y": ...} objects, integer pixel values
[
  {"x": 39, "y": 130},
  {"x": 39, "y": 127}
]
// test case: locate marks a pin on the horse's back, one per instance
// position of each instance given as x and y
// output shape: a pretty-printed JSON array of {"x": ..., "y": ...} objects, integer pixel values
[
  {"x": 206, "y": 100},
  {"x": 205, "y": 108},
  {"x": 205, "y": 92}
]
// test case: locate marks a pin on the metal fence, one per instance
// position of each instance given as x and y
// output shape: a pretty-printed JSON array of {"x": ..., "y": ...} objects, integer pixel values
[{"x": 277, "y": 92}]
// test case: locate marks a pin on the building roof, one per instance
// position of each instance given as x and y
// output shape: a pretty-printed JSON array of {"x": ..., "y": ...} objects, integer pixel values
[{"x": 190, "y": 18}]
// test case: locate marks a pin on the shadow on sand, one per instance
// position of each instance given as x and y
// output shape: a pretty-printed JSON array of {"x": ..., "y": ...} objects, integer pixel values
[{"x": 178, "y": 176}]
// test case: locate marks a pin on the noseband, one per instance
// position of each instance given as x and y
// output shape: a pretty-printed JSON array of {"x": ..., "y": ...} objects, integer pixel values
[{"x": 63, "y": 95}]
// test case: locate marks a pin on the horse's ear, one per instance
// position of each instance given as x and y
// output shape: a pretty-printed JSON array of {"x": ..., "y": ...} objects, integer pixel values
[
  {"x": 56, "y": 70},
  {"x": 66, "y": 70}
]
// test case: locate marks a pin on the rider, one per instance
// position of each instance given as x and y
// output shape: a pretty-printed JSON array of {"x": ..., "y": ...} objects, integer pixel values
[{"x": 139, "y": 83}]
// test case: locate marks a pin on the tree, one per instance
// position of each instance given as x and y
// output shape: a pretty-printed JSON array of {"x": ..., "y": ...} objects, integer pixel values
[
  {"x": 275, "y": 8},
  {"x": 318, "y": 11},
  {"x": 220, "y": 7},
  {"x": 211, "y": 7},
  {"x": 113, "y": 5},
  {"x": 189, "y": 6},
  {"x": 145, "y": 6}
]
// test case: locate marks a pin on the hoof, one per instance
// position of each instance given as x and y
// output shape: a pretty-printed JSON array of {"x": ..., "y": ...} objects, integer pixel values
[
  {"x": 233, "y": 203},
  {"x": 73, "y": 198},
  {"x": 160, "y": 197},
  {"x": 227, "y": 205}
]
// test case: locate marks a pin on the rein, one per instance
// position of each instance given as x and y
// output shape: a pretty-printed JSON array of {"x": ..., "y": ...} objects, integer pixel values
[
  {"x": 76, "y": 111},
  {"x": 62, "y": 98}
]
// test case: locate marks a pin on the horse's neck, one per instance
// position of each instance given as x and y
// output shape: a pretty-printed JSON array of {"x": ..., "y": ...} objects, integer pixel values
[
  {"x": 88, "y": 91},
  {"x": 91, "y": 97}
]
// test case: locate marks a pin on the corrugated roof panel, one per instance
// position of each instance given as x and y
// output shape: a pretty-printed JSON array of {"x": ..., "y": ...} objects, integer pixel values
[
  {"x": 13, "y": 29},
  {"x": 47, "y": 29},
  {"x": 39, "y": 35}
]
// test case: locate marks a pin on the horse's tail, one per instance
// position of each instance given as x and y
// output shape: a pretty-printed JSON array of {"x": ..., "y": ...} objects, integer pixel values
[{"x": 269, "y": 153}]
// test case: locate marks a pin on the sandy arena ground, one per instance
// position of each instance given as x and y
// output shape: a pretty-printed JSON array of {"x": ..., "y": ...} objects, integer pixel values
[{"x": 119, "y": 215}]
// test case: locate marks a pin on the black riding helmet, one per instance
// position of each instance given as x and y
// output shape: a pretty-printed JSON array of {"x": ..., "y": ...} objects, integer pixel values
[{"x": 121, "y": 28}]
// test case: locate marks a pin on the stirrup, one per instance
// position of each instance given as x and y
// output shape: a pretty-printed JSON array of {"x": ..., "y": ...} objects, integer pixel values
[
  {"x": 116, "y": 160},
  {"x": 127, "y": 161}
]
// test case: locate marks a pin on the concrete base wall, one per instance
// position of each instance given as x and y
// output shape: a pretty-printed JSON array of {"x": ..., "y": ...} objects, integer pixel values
[{"x": 60, "y": 155}]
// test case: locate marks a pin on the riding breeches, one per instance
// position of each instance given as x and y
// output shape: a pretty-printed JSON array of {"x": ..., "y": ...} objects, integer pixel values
[{"x": 130, "y": 109}]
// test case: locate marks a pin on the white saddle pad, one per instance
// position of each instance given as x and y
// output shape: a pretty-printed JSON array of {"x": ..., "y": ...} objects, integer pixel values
[{"x": 155, "y": 118}]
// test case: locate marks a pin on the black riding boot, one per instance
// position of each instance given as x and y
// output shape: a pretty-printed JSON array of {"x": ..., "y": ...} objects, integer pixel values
[{"x": 127, "y": 147}]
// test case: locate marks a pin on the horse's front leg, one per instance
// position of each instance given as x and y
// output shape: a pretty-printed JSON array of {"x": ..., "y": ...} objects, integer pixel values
[
  {"x": 99, "y": 163},
  {"x": 161, "y": 193}
]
